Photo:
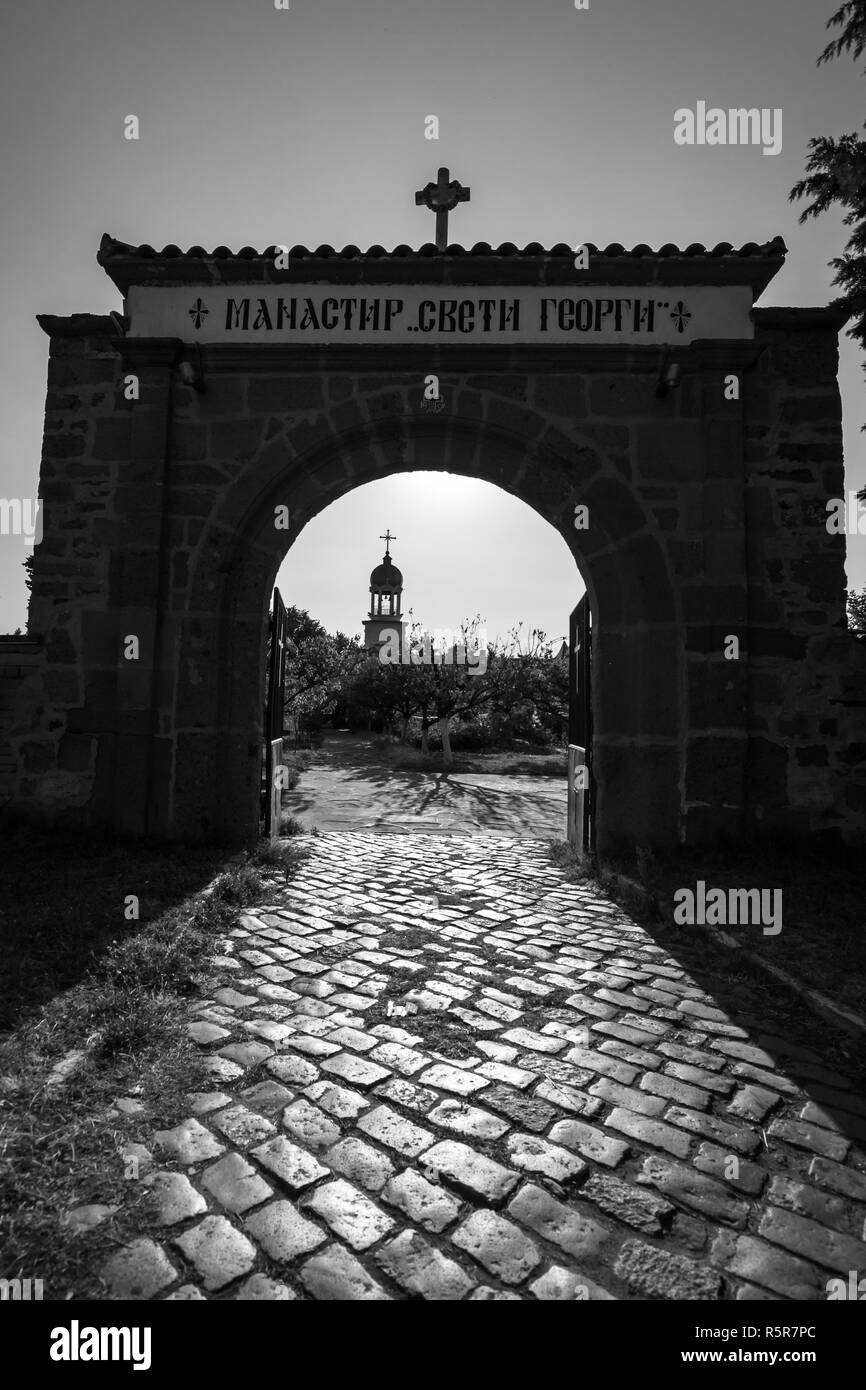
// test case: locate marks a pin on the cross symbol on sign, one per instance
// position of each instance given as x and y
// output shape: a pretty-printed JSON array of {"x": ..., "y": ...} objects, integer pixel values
[
  {"x": 680, "y": 315},
  {"x": 442, "y": 197},
  {"x": 198, "y": 313}
]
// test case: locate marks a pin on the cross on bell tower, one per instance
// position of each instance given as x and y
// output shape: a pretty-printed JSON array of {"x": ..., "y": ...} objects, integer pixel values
[
  {"x": 442, "y": 197},
  {"x": 386, "y": 600}
]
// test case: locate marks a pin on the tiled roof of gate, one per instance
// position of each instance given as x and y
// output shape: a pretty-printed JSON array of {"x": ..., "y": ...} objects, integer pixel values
[
  {"x": 753, "y": 263},
  {"x": 110, "y": 248}
]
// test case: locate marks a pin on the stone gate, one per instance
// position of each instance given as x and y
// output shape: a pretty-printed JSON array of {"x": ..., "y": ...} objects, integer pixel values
[{"x": 702, "y": 435}]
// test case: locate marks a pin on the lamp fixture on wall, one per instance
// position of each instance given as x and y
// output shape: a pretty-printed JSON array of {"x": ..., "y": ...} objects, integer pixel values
[
  {"x": 191, "y": 372},
  {"x": 668, "y": 379}
]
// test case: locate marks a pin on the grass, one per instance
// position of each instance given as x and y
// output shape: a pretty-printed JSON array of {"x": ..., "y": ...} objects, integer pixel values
[
  {"x": 64, "y": 900},
  {"x": 575, "y": 868},
  {"x": 117, "y": 1005},
  {"x": 290, "y": 825}
]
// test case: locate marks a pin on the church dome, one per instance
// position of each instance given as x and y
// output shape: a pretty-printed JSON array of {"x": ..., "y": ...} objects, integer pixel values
[{"x": 386, "y": 575}]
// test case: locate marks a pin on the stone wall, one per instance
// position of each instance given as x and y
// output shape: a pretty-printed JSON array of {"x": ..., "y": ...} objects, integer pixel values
[{"x": 807, "y": 673}]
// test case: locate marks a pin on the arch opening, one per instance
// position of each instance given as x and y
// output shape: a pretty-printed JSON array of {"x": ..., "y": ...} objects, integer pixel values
[{"x": 636, "y": 700}]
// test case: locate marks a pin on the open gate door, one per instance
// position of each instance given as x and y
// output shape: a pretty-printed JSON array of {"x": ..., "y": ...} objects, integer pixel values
[
  {"x": 581, "y": 817},
  {"x": 274, "y": 717}
]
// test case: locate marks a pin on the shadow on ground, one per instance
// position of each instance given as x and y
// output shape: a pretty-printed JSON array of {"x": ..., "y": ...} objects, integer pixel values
[{"x": 62, "y": 904}]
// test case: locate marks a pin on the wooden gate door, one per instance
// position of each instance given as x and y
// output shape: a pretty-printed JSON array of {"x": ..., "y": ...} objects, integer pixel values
[
  {"x": 274, "y": 716},
  {"x": 581, "y": 799}
]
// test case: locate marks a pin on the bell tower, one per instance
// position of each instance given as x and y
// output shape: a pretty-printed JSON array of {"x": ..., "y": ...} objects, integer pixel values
[{"x": 386, "y": 600}]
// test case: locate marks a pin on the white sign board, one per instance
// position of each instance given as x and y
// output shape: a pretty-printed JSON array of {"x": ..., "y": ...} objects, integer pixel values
[{"x": 321, "y": 314}]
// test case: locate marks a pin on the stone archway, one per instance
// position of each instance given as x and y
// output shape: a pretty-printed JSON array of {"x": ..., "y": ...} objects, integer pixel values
[
  {"x": 172, "y": 431},
  {"x": 637, "y": 709}
]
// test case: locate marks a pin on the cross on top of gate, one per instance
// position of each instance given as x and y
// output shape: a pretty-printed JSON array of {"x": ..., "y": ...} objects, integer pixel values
[
  {"x": 387, "y": 538},
  {"x": 442, "y": 197}
]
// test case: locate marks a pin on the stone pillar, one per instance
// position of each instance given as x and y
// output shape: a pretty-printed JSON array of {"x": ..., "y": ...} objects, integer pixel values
[
  {"x": 139, "y": 580},
  {"x": 716, "y": 607}
]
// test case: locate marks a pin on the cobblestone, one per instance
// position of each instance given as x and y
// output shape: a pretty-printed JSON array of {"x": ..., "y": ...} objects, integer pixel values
[
  {"x": 310, "y": 1125},
  {"x": 524, "y": 1110},
  {"x": 282, "y": 1232},
  {"x": 819, "y": 1206},
  {"x": 628, "y": 1097},
  {"x": 361, "y": 1163},
  {"x": 653, "y": 1273},
  {"x": 764, "y": 1264},
  {"x": 499, "y": 1245},
  {"x": 566, "y": 1284},
  {"x": 422, "y": 1269},
  {"x": 447, "y": 1078},
  {"x": 694, "y": 1189},
  {"x": 423, "y": 1202},
  {"x": 395, "y": 1132},
  {"x": 628, "y": 1203},
  {"x": 188, "y": 1142},
  {"x": 737, "y": 1137},
  {"x": 242, "y": 1126},
  {"x": 470, "y": 1171},
  {"x": 590, "y": 1142},
  {"x": 235, "y": 1184},
  {"x": 651, "y": 1132},
  {"x": 260, "y": 1289},
  {"x": 350, "y": 1214},
  {"x": 535, "y": 1149},
  {"x": 552, "y": 1220},
  {"x": 720, "y": 1163},
  {"x": 219, "y": 1252},
  {"x": 844, "y": 1180},
  {"x": 358, "y": 1071},
  {"x": 811, "y": 1137},
  {"x": 335, "y": 1275},
  {"x": 339, "y": 1101},
  {"x": 468, "y": 1120},
  {"x": 293, "y": 1166},
  {"x": 811, "y": 1240},
  {"x": 138, "y": 1271},
  {"x": 535, "y": 1155},
  {"x": 174, "y": 1197}
]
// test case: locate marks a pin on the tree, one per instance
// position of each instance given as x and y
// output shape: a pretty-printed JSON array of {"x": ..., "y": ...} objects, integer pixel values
[
  {"x": 857, "y": 613},
  {"x": 836, "y": 174},
  {"x": 534, "y": 679},
  {"x": 461, "y": 678},
  {"x": 317, "y": 666},
  {"x": 851, "y": 19},
  {"x": 436, "y": 687},
  {"x": 458, "y": 690},
  {"x": 371, "y": 692}
]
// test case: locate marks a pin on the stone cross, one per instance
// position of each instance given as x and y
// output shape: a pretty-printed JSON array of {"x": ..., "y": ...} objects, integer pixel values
[{"x": 442, "y": 197}]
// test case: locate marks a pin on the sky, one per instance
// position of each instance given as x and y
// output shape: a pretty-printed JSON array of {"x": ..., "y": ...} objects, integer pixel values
[{"x": 261, "y": 126}]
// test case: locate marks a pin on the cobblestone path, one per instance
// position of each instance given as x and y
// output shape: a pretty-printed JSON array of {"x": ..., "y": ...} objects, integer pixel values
[{"x": 517, "y": 1094}]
